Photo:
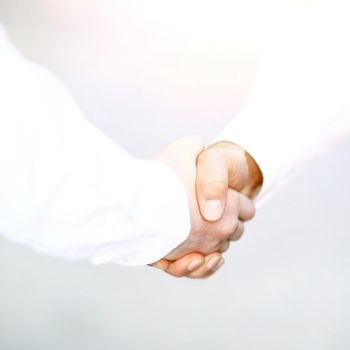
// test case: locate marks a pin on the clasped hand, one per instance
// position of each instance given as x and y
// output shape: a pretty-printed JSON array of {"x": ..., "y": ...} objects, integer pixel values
[{"x": 221, "y": 183}]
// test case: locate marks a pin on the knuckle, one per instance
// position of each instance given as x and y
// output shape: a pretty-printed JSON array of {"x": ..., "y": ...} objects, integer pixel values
[
  {"x": 247, "y": 209},
  {"x": 224, "y": 246},
  {"x": 229, "y": 228},
  {"x": 208, "y": 154},
  {"x": 252, "y": 210},
  {"x": 218, "y": 186},
  {"x": 237, "y": 235}
]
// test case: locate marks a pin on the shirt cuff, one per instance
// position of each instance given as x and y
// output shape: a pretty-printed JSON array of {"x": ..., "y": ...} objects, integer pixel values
[
  {"x": 170, "y": 224},
  {"x": 270, "y": 148}
]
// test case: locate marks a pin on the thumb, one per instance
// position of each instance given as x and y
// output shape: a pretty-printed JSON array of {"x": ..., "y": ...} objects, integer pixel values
[
  {"x": 211, "y": 184},
  {"x": 181, "y": 267}
]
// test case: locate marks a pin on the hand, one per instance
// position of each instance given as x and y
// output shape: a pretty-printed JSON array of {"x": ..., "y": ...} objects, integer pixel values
[
  {"x": 205, "y": 237},
  {"x": 192, "y": 265},
  {"x": 222, "y": 166}
]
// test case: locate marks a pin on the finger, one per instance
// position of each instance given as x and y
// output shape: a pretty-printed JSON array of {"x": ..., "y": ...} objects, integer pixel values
[
  {"x": 238, "y": 233},
  {"x": 183, "y": 266},
  {"x": 246, "y": 208},
  {"x": 236, "y": 163},
  {"x": 211, "y": 184},
  {"x": 213, "y": 263},
  {"x": 161, "y": 264},
  {"x": 224, "y": 246}
]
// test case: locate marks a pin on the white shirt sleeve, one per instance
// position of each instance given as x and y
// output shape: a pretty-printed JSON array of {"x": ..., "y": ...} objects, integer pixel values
[
  {"x": 295, "y": 110},
  {"x": 68, "y": 190}
]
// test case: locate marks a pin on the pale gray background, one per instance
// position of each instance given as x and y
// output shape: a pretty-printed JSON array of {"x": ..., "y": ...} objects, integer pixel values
[{"x": 286, "y": 285}]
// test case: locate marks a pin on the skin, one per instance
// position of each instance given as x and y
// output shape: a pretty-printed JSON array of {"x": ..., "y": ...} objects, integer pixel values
[{"x": 223, "y": 174}]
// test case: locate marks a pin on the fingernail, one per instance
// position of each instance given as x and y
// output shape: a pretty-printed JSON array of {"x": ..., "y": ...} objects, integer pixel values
[
  {"x": 222, "y": 262},
  {"x": 214, "y": 262},
  {"x": 213, "y": 210},
  {"x": 195, "y": 264}
]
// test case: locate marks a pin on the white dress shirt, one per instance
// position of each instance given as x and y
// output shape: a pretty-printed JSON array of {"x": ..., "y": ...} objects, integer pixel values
[
  {"x": 299, "y": 106},
  {"x": 68, "y": 190}
]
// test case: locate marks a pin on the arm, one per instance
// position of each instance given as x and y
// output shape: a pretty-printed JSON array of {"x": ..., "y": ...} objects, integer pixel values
[
  {"x": 292, "y": 115},
  {"x": 68, "y": 190},
  {"x": 304, "y": 84}
]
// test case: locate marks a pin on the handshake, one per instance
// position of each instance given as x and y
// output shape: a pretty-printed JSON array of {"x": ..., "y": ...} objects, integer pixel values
[{"x": 221, "y": 183}]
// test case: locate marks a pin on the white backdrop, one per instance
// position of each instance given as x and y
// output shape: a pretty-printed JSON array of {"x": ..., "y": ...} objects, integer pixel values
[{"x": 147, "y": 77}]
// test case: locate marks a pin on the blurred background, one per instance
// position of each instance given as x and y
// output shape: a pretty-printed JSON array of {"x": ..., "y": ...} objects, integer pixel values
[{"x": 146, "y": 73}]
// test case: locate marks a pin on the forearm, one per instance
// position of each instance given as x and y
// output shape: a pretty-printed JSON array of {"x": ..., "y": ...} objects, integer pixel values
[
  {"x": 302, "y": 87},
  {"x": 68, "y": 190}
]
